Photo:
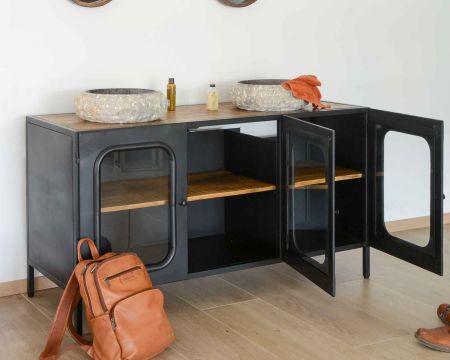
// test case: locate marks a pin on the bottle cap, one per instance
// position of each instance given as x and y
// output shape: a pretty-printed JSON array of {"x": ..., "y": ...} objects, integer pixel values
[
  {"x": 171, "y": 80},
  {"x": 212, "y": 85}
]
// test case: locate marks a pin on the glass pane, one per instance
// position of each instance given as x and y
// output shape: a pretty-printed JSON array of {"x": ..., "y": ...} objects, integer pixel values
[
  {"x": 308, "y": 200},
  {"x": 135, "y": 193},
  {"x": 407, "y": 187}
]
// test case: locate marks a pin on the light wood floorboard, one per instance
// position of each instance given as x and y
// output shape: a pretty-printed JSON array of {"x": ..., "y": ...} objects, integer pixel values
[
  {"x": 208, "y": 292},
  {"x": 200, "y": 336},
  {"x": 333, "y": 316},
  {"x": 24, "y": 329},
  {"x": 277, "y": 331},
  {"x": 405, "y": 347},
  {"x": 273, "y": 312}
]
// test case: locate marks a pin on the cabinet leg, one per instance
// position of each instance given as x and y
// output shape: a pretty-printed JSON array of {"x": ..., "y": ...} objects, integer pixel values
[
  {"x": 366, "y": 261},
  {"x": 30, "y": 281},
  {"x": 79, "y": 318}
]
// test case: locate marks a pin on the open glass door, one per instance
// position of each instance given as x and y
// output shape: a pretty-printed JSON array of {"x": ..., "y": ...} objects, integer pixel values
[
  {"x": 307, "y": 201},
  {"x": 406, "y": 188}
]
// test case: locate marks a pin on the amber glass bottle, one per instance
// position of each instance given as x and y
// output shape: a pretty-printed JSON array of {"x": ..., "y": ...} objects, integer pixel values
[{"x": 172, "y": 94}]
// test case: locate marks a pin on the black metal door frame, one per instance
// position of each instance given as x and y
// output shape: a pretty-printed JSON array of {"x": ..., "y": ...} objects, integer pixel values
[
  {"x": 321, "y": 274},
  {"x": 172, "y": 199},
  {"x": 429, "y": 257}
]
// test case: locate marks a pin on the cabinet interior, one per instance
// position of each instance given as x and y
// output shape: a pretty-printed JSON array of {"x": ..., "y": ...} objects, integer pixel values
[
  {"x": 350, "y": 201},
  {"x": 231, "y": 230},
  {"x": 233, "y": 203}
]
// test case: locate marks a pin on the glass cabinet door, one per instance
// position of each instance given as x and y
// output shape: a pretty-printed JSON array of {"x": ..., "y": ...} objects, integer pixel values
[
  {"x": 135, "y": 209},
  {"x": 307, "y": 204},
  {"x": 405, "y": 182}
]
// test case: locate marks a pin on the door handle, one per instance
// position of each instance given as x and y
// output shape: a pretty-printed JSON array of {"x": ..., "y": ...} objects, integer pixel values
[{"x": 183, "y": 203}]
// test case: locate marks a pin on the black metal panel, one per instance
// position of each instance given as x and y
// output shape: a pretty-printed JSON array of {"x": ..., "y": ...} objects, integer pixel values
[
  {"x": 174, "y": 137},
  {"x": 251, "y": 156},
  {"x": 50, "y": 189},
  {"x": 224, "y": 250},
  {"x": 380, "y": 122},
  {"x": 242, "y": 266},
  {"x": 350, "y": 137},
  {"x": 351, "y": 196},
  {"x": 252, "y": 215},
  {"x": 205, "y": 150},
  {"x": 206, "y": 218},
  {"x": 321, "y": 274},
  {"x": 252, "y": 219}
]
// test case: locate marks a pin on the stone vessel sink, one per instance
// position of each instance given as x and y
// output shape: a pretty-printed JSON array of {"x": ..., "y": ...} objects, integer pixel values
[
  {"x": 121, "y": 105},
  {"x": 264, "y": 95}
]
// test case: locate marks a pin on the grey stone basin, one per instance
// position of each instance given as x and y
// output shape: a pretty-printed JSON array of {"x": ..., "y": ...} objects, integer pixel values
[
  {"x": 121, "y": 105},
  {"x": 264, "y": 95}
]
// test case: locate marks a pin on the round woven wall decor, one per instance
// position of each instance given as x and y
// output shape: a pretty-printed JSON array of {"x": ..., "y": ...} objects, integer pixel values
[
  {"x": 238, "y": 3},
  {"x": 91, "y": 3}
]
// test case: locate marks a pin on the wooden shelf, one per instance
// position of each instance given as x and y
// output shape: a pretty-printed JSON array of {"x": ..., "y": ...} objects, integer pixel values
[
  {"x": 134, "y": 194},
  {"x": 142, "y": 193},
  {"x": 211, "y": 185},
  {"x": 315, "y": 175}
]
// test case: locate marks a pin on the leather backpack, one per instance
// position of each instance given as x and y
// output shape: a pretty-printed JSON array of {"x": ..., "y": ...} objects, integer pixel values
[{"x": 124, "y": 312}]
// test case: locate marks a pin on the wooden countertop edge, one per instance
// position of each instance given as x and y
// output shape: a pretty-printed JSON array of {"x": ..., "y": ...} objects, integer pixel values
[{"x": 185, "y": 114}]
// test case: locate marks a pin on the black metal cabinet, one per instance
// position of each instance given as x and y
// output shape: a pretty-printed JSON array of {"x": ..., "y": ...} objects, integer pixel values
[{"x": 193, "y": 203}]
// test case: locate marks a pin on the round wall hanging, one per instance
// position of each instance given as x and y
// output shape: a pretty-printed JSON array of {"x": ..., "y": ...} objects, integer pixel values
[
  {"x": 237, "y": 3},
  {"x": 91, "y": 3}
]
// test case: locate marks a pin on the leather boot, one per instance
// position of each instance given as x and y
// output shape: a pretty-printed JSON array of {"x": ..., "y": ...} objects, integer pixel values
[
  {"x": 437, "y": 339},
  {"x": 443, "y": 313}
]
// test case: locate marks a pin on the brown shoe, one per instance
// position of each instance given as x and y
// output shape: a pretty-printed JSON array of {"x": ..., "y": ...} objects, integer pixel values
[
  {"x": 443, "y": 313},
  {"x": 437, "y": 339}
]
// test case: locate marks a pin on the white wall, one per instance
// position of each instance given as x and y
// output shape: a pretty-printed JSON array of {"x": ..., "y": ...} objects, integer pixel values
[{"x": 386, "y": 54}]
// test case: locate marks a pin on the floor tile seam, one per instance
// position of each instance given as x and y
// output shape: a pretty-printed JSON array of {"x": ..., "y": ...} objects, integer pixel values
[
  {"x": 37, "y": 307},
  {"x": 240, "y": 334},
  {"x": 358, "y": 347},
  {"x": 305, "y": 322}
]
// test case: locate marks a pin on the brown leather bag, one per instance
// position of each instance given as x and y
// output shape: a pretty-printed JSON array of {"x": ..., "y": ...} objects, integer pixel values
[{"x": 125, "y": 314}]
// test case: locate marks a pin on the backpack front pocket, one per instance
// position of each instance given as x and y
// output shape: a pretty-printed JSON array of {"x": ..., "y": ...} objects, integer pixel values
[
  {"x": 141, "y": 325},
  {"x": 119, "y": 278}
]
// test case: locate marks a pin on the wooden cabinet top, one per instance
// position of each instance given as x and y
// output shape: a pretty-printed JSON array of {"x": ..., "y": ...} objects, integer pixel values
[{"x": 197, "y": 115}]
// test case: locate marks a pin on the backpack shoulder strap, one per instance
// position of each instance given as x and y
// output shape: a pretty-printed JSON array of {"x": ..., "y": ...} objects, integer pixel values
[
  {"x": 81, "y": 341},
  {"x": 62, "y": 319}
]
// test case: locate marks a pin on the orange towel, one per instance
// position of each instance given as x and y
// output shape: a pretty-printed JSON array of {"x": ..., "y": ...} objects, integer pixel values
[{"x": 305, "y": 87}]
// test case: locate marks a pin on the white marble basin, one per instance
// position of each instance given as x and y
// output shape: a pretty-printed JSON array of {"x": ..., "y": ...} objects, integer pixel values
[
  {"x": 264, "y": 95},
  {"x": 121, "y": 105}
]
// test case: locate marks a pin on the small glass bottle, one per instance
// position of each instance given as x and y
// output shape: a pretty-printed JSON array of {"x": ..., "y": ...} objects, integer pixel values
[
  {"x": 213, "y": 98},
  {"x": 172, "y": 94}
]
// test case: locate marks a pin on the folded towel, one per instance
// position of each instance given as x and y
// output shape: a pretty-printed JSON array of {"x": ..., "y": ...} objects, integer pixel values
[{"x": 305, "y": 87}]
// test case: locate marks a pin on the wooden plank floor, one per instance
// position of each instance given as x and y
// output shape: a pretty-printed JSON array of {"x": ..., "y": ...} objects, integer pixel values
[{"x": 273, "y": 312}]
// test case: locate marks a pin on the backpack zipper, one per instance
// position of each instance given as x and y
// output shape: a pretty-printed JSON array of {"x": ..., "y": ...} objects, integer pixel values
[
  {"x": 109, "y": 278},
  {"x": 86, "y": 267},
  {"x": 97, "y": 284},
  {"x": 113, "y": 322},
  {"x": 85, "y": 287}
]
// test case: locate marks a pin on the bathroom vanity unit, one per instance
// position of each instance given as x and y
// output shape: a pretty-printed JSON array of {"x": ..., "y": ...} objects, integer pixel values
[{"x": 197, "y": 193}]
